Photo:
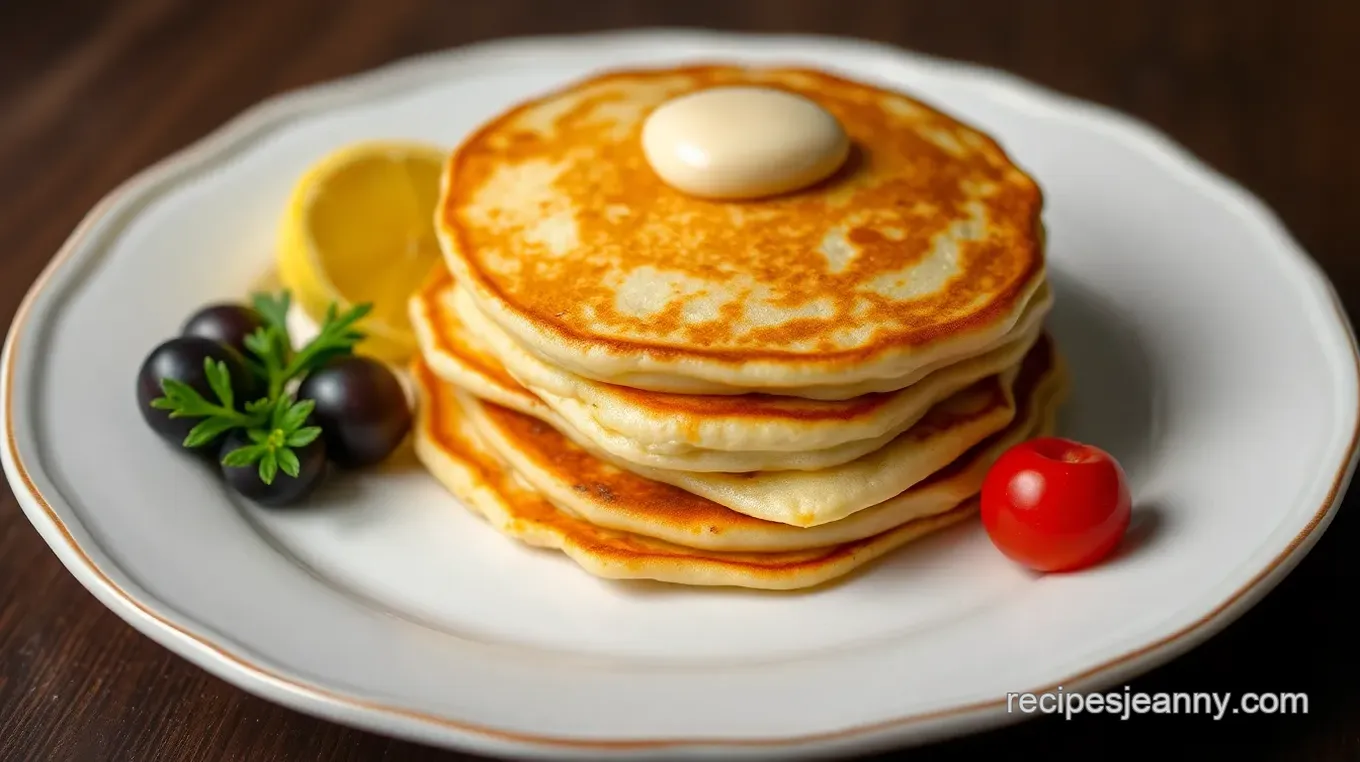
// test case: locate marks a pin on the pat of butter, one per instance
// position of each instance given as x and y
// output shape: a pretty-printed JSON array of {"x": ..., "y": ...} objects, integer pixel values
[{"x": 743, "y": 142}]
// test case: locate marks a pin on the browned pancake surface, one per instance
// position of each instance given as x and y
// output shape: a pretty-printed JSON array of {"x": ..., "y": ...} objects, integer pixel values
[{"x": 917, "y": 179}]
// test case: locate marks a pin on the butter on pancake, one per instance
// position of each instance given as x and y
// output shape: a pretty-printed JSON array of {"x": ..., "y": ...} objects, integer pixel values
[
  {"x": 742, "y": 142},
  {"x": 924, "y": 247}
]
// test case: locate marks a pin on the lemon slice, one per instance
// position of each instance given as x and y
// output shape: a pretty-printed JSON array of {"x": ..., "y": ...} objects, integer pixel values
[{"x": 359, "y": 227}]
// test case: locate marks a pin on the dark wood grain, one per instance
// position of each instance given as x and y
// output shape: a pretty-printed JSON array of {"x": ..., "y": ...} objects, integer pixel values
[{"x": 92, "y": 91}]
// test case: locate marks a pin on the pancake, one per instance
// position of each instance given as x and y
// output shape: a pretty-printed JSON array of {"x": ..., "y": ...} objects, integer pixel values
[
  {"x": 449, "y": 449},
  {"x": 752, "y": 432},
  {"x": 924, "y": 249},
  {"x": 801, "y": 498},
  {"x": 450, "y": 349},
  {"x": 609, "y": 497},
  {"x": 457, "y": 352},
  {"x": 812, "y": 498}
]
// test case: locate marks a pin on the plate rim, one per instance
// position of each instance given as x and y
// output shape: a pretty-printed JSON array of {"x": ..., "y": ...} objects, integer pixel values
[{"x": 203, "y": 648}]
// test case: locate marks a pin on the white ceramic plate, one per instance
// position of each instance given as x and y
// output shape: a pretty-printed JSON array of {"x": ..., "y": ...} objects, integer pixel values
[{"x": 1208, "y": 353}]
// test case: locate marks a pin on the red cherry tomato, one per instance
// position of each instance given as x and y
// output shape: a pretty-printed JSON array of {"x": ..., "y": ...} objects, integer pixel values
[{"x": 1053, "y": 504}]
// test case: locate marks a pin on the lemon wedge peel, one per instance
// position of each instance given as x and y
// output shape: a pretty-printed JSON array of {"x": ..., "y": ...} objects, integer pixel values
[{"x": 359, "y": 227}]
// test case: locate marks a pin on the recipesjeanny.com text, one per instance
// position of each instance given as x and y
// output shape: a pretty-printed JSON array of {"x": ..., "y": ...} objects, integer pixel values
[{"x": 1127, "y": 703}]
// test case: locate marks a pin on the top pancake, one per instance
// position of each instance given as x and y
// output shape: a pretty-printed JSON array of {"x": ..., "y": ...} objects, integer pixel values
[{"x": 925, "y": 247}]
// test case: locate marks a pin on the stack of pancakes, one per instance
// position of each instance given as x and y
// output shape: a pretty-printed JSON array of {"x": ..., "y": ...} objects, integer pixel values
[{"x": 763, "y": 393}]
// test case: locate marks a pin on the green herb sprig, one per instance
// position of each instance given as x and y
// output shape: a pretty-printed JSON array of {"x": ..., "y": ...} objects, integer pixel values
[{"x": 275, "y": 424}]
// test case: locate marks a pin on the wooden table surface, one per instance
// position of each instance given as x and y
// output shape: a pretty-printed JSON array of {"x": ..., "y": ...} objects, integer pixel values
[{"x": 91, "y": 92}]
